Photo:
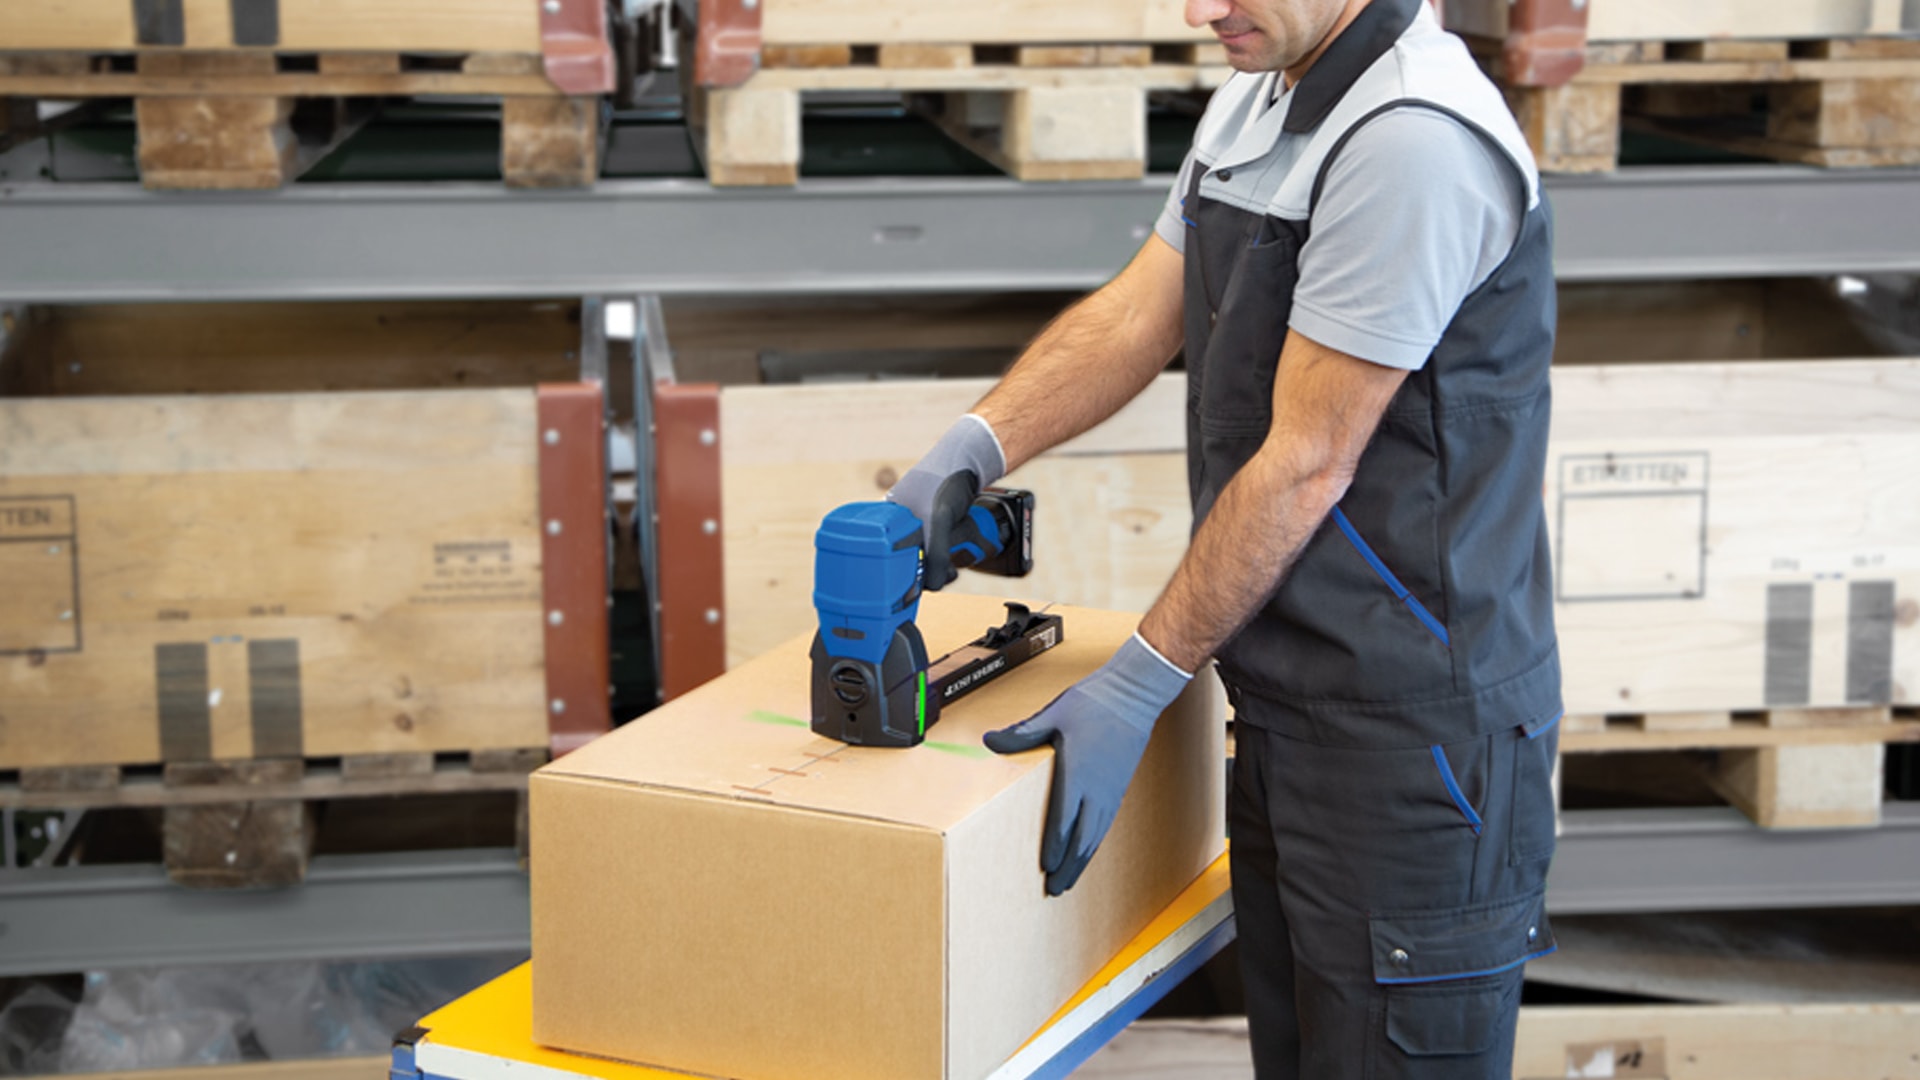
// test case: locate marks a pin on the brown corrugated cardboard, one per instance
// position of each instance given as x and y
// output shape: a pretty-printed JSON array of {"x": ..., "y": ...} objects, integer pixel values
[{"x": 718, "y": 890}]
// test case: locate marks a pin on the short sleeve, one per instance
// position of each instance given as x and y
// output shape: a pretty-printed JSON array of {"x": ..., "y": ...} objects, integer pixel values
[
  {"x": 1172, "y": 225},
  {"x": 1417, "y": 212}
]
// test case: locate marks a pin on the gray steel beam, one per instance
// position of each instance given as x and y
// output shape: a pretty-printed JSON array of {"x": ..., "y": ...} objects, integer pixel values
[
  {"x": 1714, "y": 859},
  {"x": 114, "y": 242},
  {"x": 352, "y": 907},
  {"x": 1734, "y": 221},
  {"x": 460, "y": 902}
]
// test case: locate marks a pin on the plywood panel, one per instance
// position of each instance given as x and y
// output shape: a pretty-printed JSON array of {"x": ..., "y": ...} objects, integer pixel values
[
  {"x": 391, "y": 538},
  {"x": 793, "y": 22},
  {"x": 1726, "y": 536},
  {"x": 305, "y": 25},
  {"x": 67, "y": 24},
  {"x": 1662, "y": 20},
  {"x": 411, "y": 25},
  {"x": 1629, "y": 20},
  {"x": 1110, "y": 523}
]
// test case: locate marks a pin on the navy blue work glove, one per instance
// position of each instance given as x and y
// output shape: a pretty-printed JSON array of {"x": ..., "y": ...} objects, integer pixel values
[
  {"x": 1098, "y": 728},
  {"x": 940, "y": 489}
]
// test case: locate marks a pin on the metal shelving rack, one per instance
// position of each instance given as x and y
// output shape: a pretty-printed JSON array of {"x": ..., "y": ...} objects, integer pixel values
[
  {"x": 114, "y": 242},
  {"x": 109, "y": 243},
  {"x": 373, "y": 906}
]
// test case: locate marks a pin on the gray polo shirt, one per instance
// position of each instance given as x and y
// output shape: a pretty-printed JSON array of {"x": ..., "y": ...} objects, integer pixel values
[{"x": 1417, "y": 212}]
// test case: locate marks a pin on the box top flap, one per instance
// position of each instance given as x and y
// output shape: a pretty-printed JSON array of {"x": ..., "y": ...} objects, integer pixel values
[{"x": 745, "y": 735}]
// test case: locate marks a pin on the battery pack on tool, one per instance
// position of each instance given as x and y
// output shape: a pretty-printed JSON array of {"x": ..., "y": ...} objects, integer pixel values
[{"x": 871, "y": 682}]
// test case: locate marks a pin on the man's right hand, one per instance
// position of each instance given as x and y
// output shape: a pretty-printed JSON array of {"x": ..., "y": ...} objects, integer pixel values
[{"x": 941, "y": 489}]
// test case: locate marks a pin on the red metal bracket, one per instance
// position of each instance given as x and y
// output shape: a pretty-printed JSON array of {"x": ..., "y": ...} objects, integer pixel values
[
  {"x": 726, "y": 42},
  {"x": 573, "y": 562},
  {"x": 692, "y": 583},
  {"x": 1546, "y": 42},
  {"x": 574, "y": 39}
]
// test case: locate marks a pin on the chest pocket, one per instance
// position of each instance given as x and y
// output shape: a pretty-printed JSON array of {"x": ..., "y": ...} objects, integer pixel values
[{"x": 1242, "y": 273}]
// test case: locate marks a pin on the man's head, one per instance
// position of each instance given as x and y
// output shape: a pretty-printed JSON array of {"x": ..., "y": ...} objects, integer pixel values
[{"x": 1272, "y": 35}]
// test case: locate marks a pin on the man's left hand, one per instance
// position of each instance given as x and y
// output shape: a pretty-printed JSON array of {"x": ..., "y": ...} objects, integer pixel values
[{"x": 1099, "y": 729}]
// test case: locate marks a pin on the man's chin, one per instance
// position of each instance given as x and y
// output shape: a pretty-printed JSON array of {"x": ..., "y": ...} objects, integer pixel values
[{"x": 1251, "y": 61}]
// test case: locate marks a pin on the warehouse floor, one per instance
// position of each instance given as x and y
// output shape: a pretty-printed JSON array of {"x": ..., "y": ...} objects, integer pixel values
[{"x": 1214, "y": 1049}]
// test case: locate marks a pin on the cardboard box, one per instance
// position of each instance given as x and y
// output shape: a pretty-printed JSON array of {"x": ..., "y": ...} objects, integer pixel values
[{"x": 718, "y": 890}]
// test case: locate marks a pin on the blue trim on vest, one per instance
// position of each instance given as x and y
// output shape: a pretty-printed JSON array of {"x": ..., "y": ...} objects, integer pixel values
[
  {"x": 1400, "y": 592},
  {"x": 1453, "y": 788},
  {"x": 1548, "y": 726},
  {"x": 1468, "y": 974}
]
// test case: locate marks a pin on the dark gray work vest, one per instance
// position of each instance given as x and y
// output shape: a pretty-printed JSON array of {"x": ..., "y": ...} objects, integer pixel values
[{"x": 1422, "y": 611}]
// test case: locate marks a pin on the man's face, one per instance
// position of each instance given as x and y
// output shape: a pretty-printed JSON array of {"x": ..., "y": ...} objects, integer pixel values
[{"x": 1266, "y": 35}]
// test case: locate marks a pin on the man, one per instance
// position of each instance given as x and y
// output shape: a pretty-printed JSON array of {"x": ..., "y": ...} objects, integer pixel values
[{"x": 1357, "y": 260}]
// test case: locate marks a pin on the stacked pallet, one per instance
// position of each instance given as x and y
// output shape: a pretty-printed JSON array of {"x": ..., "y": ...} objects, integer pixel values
[
  {"x": 252, "y": 95},
  {"x": 243, "y": 573},
  {"x": 1824, "y": 82},
  {"x": 1056, "y": 93}
]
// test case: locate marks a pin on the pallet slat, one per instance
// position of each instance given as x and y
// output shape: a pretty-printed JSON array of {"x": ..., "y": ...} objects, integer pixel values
[{"x": 320, "y": 780}]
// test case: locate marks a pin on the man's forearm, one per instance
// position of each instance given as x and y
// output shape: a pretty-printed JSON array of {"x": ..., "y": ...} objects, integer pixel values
[
  {"x": 1326, "y": 405},
  {"x": 1255, "y": 531},
  {"x": 1097, "y": 356}
]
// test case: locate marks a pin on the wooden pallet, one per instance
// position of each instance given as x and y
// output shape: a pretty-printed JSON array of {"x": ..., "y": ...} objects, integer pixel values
[
  {"x": 1842, "y": 103},
  {"x": 254, "y": 119},
  {"x": 248, "y": 823},
  {"x": 1785, "y": 769},
  {"x": 1039, "y": 112}
]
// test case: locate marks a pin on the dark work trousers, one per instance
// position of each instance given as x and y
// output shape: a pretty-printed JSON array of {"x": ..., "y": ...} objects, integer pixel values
[{"x": 1388, "y": 900}]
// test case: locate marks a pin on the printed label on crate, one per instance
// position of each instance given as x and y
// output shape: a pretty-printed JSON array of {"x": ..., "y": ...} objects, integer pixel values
[
  {"x": 39, "y": 577},
  {"x": 478, "y": 571},
  {"x": 36, "y": 518},
  {"x": 1625, "y": 474},
  {"x": 1631, "y": 527}
]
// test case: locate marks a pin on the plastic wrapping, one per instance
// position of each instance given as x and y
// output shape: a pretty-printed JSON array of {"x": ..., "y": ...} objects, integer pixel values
[{"x": 171, "y": 1017}]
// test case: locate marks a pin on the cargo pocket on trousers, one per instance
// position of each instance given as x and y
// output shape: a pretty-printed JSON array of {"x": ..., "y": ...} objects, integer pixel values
[
  {"x": 1452, "y": 979},
  {"x": 1533, "y": 804}
]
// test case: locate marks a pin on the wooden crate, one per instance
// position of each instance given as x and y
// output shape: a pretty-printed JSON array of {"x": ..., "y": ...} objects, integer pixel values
[
  {"x": 1037, "y": 112},
  {"x": 1727, "y": 537},
  {"x": 294, "y": 575},
  {"x": 234, "y": 96},
  {"x": 994, "y": 22},
  {"x": 415, "y": 26},
  {"x": 1702, "y": 20}
]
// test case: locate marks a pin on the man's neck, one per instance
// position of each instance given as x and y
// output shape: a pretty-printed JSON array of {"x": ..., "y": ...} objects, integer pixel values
[{"x": 1292, "y": 75}]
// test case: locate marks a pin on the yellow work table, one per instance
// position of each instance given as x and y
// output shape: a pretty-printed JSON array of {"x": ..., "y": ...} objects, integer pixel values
[{"x": 485, "y": 1035}]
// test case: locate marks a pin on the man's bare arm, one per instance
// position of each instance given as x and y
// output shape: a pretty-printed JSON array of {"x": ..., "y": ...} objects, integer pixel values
[
  {"x": 1097, "y": 356},
  {"x": 1326, "y": 405}
]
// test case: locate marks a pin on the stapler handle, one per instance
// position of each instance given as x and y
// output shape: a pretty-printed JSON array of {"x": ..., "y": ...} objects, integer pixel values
[{"x": 996, "y": 536}]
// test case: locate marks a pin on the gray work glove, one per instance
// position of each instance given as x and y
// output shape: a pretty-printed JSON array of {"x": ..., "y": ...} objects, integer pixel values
[
  {"x": 941, "y": 488},
  {"x": 1098, "y": 728}
]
